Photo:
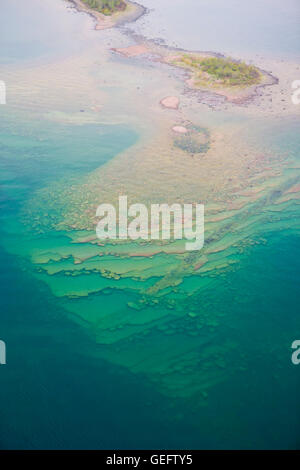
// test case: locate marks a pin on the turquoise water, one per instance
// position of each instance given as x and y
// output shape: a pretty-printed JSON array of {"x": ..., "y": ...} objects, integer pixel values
[{"x": 57, "y": 389}]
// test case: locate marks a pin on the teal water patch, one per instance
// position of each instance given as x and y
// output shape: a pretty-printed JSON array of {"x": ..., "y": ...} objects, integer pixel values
[
  {"x": 217, "y": 344},
  {"x": 55, "y": 392},
  {"x": 58, "y": 393},
  {"x": 50, "y": 151},
  {"x": 34, "y": 155}
]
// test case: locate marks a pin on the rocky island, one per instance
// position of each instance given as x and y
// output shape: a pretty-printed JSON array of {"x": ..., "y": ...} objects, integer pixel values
[
  {"x": 234, "y": 79},
  {"x": 109, "y": 13}
]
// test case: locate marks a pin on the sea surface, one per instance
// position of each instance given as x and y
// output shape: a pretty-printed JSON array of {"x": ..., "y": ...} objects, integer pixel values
[
  {"x": 85, "y": 367},
  {"x": 244, "y": 29}
]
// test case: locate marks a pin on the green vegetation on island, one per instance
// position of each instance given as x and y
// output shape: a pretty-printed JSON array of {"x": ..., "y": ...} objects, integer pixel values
[
  {"x": 218, "y": 71},
  {"x": 107, "y": 7}
]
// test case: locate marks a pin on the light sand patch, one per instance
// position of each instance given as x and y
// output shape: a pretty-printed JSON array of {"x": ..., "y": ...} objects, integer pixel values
[
  {"x": 170, "y": 102},
  {"x": 132, "y": 51},
  {"x": 180, "y": 129}
]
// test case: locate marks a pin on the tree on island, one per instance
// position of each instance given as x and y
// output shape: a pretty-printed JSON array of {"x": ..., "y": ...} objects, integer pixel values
[{"x": 107, "y": 7}]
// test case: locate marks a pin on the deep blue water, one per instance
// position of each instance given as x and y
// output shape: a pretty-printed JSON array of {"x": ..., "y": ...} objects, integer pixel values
[{"x": 53, "y": 393}]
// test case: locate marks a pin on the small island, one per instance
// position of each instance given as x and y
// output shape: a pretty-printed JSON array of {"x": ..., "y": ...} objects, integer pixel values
[
  {"x": 109, "y": 13},
  {"x": 233, "y": 79}
]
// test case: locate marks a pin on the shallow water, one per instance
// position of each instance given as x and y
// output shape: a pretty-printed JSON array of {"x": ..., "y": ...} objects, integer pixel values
[
  {"x": 207, "y": 364},
  {"x": 36, "y": 30},
  {"x": 243, "y": 29}
]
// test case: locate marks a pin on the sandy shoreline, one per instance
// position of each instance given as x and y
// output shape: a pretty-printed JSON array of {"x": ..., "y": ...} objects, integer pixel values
[{"x": 165, "y": 55}]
